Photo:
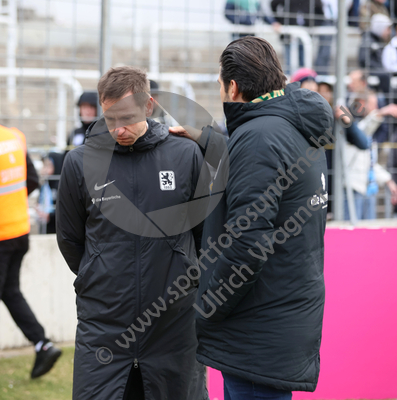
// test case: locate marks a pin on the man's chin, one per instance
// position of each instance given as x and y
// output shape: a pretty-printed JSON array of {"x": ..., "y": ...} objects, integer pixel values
[{"x": 125, "y": 142}]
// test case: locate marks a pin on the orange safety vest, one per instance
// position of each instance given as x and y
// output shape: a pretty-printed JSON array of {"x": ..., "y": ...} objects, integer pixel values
[{"x": 14, "y": 211}]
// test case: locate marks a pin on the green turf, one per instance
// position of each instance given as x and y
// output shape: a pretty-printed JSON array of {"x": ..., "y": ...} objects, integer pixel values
[{"x": 15, "y": 382}]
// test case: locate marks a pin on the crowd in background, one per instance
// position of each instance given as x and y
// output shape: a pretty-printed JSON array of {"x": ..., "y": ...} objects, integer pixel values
[{"x": 371, "y": 149}]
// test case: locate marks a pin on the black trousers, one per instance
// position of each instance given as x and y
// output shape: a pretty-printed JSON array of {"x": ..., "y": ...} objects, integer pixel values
[
  {"x": 11, "y": 255},
  {"x": 134, "y": 387}
]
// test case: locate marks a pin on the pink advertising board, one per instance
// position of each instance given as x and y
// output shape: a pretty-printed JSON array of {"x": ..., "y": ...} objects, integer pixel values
[{"x": 359, "y": 346}]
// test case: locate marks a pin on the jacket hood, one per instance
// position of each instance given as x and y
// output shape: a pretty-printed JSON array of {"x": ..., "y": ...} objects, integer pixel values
[
  {"x": 99, "y": 137},
  {"x": 307, "y": 111}
]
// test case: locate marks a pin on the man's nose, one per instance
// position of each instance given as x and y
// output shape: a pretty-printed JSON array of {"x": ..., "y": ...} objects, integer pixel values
[{"x": 119, "y": 130}]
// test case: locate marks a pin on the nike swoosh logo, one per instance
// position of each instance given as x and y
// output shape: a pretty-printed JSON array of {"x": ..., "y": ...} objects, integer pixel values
[{"x": 103, "y": 186}]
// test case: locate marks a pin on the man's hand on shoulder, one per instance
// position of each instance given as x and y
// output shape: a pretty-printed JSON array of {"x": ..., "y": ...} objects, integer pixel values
[{"x": 186, "y": 131}]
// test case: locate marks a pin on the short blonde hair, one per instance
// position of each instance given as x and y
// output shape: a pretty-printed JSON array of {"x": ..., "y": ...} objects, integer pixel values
[{"x": 116, "y": 82}]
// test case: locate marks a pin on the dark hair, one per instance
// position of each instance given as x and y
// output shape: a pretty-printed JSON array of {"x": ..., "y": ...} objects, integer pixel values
[
  {"x": 154, "y": 86},
  {"x": 252, "y": 62},
  {"x": 89, "y": 97},
  {"x": 116, "y": 82}
]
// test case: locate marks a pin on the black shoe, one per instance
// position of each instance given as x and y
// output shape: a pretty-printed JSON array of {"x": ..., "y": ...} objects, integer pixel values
[{"x": 45, "y": 360}]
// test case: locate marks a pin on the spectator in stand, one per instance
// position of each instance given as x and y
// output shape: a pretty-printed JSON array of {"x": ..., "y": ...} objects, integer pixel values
[
  {"x": 330, "y": 9},
  {"x": 307, "y": 78},
  {"x": 358, "y": 87},
  {"x": 357, "y": 83},
  {"x": 326, "y": 90},
  {"x": 88, "y": 104},
  {"x": 159, "y": 115},
  {"x": 354, "y": 13},
  {"x": 296, "y": 13},
  {"x": 370, "y": 8},
  {"x": 373, "y": 42},
  {"x": 389, "y": 56},
  {"x": 246, "y": 12},
  {"x": 364, "y": 174},
  {"x": 355, "y": 136},
  {"x": 392, "y": 165}
]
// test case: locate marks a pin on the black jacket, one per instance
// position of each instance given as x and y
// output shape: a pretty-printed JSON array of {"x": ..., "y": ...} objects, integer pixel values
[
  {"x": 32, "y": 179},
  {"x": 370, "y": 53},
  {"x": 267, "y": 328},
  {"x": 79, "y": 134},
  {"x": 107, "y": 199}
]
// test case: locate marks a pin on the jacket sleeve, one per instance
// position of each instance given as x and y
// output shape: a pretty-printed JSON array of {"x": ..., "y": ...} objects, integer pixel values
[
  {"x": 357, "y": 137},
  {"x": 32, "y": 179},
  {"x": 382, "y": 176},
  {"x": 370, "y": 123},
  {"x": 253, "y": 174},
  {"x": 70, "y": 216},
  {"x": 200, "y": 188},
  {"x": 212, "y": 145}
]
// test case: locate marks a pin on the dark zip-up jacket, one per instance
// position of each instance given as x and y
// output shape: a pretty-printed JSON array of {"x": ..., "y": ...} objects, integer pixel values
[
  {"x": 261, "y": 297},
  {"x": 108, "y": 197}
]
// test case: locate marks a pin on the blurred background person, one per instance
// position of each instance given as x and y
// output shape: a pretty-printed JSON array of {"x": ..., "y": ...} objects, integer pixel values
[
  {"x": 392, "y": 163},
  {"x": 88, "y": 105},
  {"x": 389, "y": 55},
  {"x": 353, "y": 13},
  {"x": 357, "y": 83},
  {"x": 373, "y": 42},
  {"x": 298, "y": 13},
  {"x": 242, "y": 12},
  {"x": 368, "y": 9},
  {"x": 358, "y": 87},
  {"x": 247, "y": 12},
  {"x": 307, "y": 78},
  {"x": 354, "y": 135},
  {"x": 323, "y": 59},
  {"x": 50, "y": 172},
  {"x": 159, "y": 114},
  {"x": 363, "y": 172},
  {"x": 18, "y": 178}
]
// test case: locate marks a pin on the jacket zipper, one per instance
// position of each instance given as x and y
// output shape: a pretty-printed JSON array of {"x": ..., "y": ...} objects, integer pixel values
[
  {"x": 138, "y": 293},
  {"x": 137, "y": 273}
]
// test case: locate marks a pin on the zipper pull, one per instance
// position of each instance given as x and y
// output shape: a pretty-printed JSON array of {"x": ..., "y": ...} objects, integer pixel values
[{"x": 136, "y": 363}]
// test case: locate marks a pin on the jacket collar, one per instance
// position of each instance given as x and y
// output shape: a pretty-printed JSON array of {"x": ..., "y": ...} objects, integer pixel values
[
  {"x": 239, "y": 113},
  {"x": 98, "y": 136}
]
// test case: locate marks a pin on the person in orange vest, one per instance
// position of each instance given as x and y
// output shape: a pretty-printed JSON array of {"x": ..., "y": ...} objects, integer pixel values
[{"x": 18, "y": 178}]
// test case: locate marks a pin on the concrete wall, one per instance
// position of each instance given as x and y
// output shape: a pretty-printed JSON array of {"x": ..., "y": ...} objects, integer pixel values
[{"x": 47, "y": 284}]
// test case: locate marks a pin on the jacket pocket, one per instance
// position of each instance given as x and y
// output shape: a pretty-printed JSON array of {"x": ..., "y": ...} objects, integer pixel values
[
  {"x": 78, "y": 282},
  {"x": 191, "y": 273}
]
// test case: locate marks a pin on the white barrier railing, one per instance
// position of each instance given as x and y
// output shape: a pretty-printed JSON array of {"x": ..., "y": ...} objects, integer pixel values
[{"x": 65, "y": 78}]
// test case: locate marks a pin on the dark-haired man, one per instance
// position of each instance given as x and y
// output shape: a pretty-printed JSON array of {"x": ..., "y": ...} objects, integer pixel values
[
  {"x": 135, "y": 336},
  {"x": 261, "y": 297}
]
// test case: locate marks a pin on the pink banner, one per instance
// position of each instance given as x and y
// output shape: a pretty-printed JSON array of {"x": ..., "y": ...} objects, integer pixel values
[{"x": 359, "y": 346}]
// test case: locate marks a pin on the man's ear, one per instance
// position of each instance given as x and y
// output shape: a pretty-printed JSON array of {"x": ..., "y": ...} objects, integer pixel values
[
  {"x": 149, "y": 107},
  {"x": 234, "y": 92}
]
